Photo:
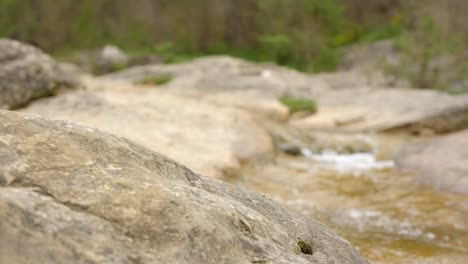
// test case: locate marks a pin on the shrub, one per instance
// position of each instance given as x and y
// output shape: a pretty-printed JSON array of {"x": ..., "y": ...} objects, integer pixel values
[
  {"x": 298, "y": 104},
  {"x": 432, "y": 57},
  {"x": 279, "y": 47},
  {"x": 156, "y": 80}
]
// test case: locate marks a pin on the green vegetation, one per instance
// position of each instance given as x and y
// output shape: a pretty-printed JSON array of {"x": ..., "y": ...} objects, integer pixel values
[
  {"x": 298, "y": 104},
  {"x": 428, "y": 51},
  {"x": 156, "y": 80},
  {"x": 298, "y": 33},
  {"x": 308, "y": 35}
]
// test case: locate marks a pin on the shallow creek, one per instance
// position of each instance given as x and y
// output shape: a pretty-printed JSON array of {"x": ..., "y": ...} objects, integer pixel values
[{"x": 388, "y": 214}]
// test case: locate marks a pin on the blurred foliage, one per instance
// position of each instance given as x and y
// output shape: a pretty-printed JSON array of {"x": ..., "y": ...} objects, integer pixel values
[
  {"x": 289, "y": 32},
  {"x": 156, "y": 80},
  {"x": 432, "y": 57},
  {"x": 305, "y": 34},
  {"x": 298, "y": 104}
]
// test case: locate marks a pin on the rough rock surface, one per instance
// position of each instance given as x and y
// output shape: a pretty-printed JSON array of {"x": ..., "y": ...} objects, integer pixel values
[
  {"x": 211, "y": 139},
  {"x": 27, "y": 73},
  {"x": 71, "y": 193},
  {"x": 345, "y": 100},
  {"x": 443, "y": 162}
]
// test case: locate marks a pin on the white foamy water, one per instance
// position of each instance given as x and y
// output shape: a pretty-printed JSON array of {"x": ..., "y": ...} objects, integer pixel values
[
  {"x": 367, "y": 220},
  {"x": 349, "y": 162}
]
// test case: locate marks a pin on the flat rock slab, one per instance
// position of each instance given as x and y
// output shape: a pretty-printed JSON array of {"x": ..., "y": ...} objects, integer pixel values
[
  {"x": 72, "y": 193},
  {"x": 370, "y": 109},
  {"x": 443, "y": 163},
  {"x": 346, "y": 100},
  {"x": 211, "y": 139}
]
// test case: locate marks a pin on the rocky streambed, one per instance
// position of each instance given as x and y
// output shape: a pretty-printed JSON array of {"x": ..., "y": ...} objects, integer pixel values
[
  {"x": 390, "y": 214},
  {"x": 368, "y": 165}
]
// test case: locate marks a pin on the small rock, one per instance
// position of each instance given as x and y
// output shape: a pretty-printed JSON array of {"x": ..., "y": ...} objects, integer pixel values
[{"x": 111, "y": 54}]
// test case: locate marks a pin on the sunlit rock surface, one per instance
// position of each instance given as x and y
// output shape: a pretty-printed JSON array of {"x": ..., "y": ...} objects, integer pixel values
[
  {"x": 75, "y": 194},
  {"x": 346, "y": 101},
  {"x": 212, "y": 139}
]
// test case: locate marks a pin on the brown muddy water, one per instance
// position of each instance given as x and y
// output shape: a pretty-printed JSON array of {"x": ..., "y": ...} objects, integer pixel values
[{"x": 388, "y": 214}]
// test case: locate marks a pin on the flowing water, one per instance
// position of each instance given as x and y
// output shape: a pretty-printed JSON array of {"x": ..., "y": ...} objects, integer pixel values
[{"x": 386, "y": 213}]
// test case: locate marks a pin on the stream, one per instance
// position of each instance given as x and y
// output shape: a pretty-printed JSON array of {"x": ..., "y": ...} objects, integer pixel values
[{"x": 388, "y": 214}]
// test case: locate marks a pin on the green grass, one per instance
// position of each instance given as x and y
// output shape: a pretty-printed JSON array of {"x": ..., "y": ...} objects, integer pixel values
[
  {"x": 156, "y": 80},
  {"x": 298, "y": 104}
]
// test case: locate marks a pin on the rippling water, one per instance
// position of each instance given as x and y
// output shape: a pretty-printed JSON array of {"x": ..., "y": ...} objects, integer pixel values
[{"x": 387, "y": 214}]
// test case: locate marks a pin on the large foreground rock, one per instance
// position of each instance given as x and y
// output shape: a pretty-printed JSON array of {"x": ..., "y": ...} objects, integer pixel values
[
  {"x": 443, "y": 162},
  {"x": 74, "y": 194},
  {"x": 212, "y": 139},
  {"x": 347, "y": 101},
  {"x": 26, "y": 73}
]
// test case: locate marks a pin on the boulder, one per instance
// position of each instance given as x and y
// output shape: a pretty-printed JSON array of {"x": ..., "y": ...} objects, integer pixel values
[
  {"x": 212, "y": 139},
  {"x": 442, "y": 162},
  {"x": 104, "y": 60},
  {"x": 27, "y": 73},
  {"x": 347, "y": 101},
  {"x": 111, "y": 58},
  {"x": 113, "y": 55},
  {"x": 72, "y": 193}
]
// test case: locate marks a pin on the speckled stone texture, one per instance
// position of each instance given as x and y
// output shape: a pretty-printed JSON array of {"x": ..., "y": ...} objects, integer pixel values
[{"x": 75, "y": 194}]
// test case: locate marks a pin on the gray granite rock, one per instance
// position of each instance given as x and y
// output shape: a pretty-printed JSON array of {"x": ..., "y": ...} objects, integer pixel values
[
  {"x": 27, "y": 73},
  {"x": 75, "y": 194}
]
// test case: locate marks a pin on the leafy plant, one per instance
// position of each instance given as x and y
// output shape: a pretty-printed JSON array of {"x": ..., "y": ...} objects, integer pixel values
[
  {"x": 280, "y": 47},
  {"x": 295, "y": 104},
  {"x": 327, "y": 60},
  {"x": 156, "y": 80},
  {"x": 428, "y": 51}
]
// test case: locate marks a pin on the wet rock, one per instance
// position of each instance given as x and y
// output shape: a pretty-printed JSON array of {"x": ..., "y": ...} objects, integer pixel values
[
  {"x": 176, "y": 126},
  {"x": 290, "y": 149},
  {"x": 71, "y": 193},
  {"x": 442, "y": 162},
  {"x": 343, "y": 143},
  {"x": 346, "y": 100},
  {"x": 27, "y": 73}
]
